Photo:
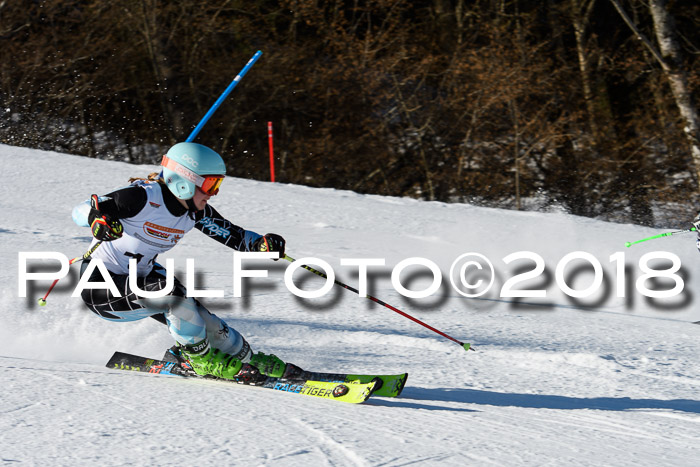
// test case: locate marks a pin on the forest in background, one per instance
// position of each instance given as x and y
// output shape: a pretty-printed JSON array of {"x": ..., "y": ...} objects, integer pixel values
[{"x": 581, "y": 105}]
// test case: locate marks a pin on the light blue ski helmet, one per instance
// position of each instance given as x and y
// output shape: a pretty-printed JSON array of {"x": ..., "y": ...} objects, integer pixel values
[{"x": 187, "y": 164}]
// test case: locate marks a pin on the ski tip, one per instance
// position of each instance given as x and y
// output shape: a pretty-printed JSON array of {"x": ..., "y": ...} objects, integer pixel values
[{"x": 401, "y": 385}]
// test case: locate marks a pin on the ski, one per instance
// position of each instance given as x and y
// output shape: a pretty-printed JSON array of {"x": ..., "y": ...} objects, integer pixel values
[
  {"x": 353, "y": 392},
  {"x": 388, "y": 385}
]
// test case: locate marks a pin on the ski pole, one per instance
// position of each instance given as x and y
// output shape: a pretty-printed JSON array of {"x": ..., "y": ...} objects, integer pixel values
[
  {"x": 667, "y": 234},
  {"x": 223, "y": 96},
  {"x": 465, "y": 346},
  {"x": 94, "y": 202},
  {"x": 86, "y": 255}
]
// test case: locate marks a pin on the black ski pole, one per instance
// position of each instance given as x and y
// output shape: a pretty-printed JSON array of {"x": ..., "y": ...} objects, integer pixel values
[{"x": 464, "y": 345}]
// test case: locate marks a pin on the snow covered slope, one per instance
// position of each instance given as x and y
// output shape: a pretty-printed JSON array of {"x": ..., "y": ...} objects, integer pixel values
[{"x": 598, "y": 380}]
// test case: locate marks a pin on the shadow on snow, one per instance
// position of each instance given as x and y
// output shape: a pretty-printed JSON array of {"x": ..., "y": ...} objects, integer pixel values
[{"x": 533, "y": 401}]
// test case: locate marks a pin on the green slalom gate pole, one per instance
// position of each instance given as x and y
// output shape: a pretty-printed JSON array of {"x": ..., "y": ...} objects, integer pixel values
[
  {"x": 667, "y": 234},
  {"x": 464, "y": 345}
]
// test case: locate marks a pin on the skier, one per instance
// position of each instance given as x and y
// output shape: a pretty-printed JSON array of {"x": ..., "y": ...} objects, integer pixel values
[{"x": 149, "y": 217}]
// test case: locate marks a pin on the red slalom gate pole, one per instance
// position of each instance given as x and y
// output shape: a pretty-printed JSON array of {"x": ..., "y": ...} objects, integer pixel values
[
  {"x": 272, "y": 157},
  {"x": 465, "y": 345}
]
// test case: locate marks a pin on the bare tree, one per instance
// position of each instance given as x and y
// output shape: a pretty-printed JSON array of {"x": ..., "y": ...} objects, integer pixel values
[
  {"x": 669, "y": 57},
  {"x": 581, "y": 14}
]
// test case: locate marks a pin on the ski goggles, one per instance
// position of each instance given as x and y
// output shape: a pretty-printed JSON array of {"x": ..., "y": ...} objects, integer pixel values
[{"x": 209, "y": 184}]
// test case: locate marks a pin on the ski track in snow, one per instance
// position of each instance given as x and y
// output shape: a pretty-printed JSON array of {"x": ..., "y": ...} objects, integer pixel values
[{"x": 560, "y": 383}]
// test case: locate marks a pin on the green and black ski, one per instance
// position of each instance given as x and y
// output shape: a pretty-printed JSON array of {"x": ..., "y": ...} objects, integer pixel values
[
  {"x": 389, "y": 385},
  {"x": 355, "y": 391}
]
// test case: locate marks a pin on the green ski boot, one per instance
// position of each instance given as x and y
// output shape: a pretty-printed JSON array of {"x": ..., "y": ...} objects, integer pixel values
[
  {"x": 214, "y": 363},
  {"x": 268, "y": 365}
]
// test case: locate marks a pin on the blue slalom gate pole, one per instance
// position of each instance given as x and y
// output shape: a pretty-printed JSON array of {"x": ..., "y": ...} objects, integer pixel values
[{"x": 223, "y": 96}]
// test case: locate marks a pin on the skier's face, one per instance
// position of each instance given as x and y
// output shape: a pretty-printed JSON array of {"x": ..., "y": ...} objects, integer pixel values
[{"x": 200, "y": 199}]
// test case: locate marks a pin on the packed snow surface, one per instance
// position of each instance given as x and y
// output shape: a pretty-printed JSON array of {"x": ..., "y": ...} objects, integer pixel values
[{"x": 610, "y": 378}]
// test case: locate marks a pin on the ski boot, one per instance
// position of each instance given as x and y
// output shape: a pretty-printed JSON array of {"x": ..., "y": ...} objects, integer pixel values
[
  {"x": 268, "y": 365},
  {"x": 262, "y": 367},
  {"x": 222, "y": 365},
  {"x": 213, "y": 363}
]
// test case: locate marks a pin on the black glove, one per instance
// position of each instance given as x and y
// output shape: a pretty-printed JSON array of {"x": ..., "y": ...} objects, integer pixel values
[
  {"x": 270, "y": 243},
  {"x": 103, "y": 227}
]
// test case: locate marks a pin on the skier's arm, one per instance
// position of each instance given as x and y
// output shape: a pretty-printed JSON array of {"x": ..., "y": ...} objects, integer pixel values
[
  {"x": 104, "y": 215},
  {"x": 210, "y": 222},
  {"x": 120, "y": 204},
  {"x": 124, "y": 203}
]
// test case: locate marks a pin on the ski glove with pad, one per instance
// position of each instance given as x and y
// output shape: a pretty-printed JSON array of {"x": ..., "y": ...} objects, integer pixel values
[
  {"x": 270, "y": 243},
  {"x": 102, "y": 226}
]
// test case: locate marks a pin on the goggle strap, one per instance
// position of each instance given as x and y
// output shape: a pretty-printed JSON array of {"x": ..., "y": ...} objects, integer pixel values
[{"x": 183, "y": 171}]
